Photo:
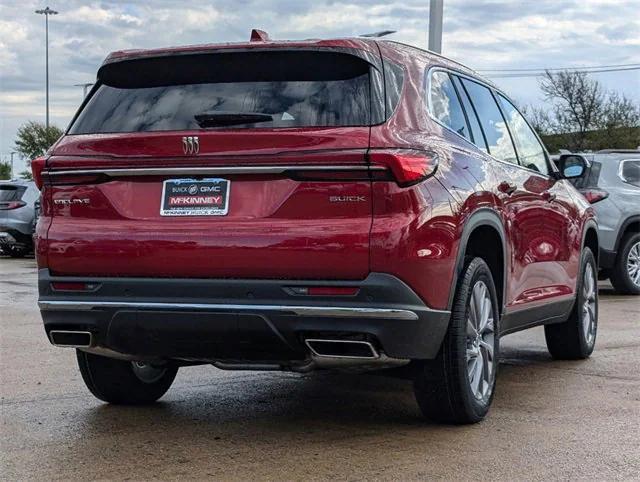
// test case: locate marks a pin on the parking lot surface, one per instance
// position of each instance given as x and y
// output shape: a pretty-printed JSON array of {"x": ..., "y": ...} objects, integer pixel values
[{"x": 550, "y": 419}]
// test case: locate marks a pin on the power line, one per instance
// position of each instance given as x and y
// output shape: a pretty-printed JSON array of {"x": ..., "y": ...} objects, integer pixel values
[
  {"x": 542, "y": 69},
  {"x": 538, "y": 74}
]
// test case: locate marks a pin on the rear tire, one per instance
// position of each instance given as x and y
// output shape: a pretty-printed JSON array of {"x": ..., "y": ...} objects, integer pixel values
[
  {"x": 458, "y": 385},
  {"x": 625, "y": 276},
  {"x": 18, "y": 252},
  {"x": 124, "y": 382},
  {"x": 575, "y": 338}
]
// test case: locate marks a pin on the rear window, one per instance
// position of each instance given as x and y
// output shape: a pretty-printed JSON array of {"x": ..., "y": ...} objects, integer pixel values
[
  {"x": 11, "y": 193},
  {"x": 230, "y": 90},
  {"x": 630, "y": 171}
]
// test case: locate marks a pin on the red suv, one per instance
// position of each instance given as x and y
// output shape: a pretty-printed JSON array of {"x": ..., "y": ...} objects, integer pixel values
[{"x": 349, "y": 203}]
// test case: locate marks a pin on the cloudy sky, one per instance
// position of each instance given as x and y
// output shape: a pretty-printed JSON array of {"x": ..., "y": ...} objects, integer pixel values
[{"x": 482, "y": 34}]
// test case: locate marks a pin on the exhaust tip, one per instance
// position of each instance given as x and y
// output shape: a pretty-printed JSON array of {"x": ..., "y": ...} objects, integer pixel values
[
  {"x": 71, "y": 339},
  {"x": 341, "y": 348}
]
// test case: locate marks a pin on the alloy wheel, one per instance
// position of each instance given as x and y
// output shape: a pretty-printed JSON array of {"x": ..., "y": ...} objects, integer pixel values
[
  {"x": 589, "y": 293},
  {"x": 633, "y": 264},
  {"x": 148, "y": 373},
  {"x": 480, "y": 342}
]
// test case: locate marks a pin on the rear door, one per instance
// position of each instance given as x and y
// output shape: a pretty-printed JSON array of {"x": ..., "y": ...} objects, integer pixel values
[{"x": 219, "y": 165}]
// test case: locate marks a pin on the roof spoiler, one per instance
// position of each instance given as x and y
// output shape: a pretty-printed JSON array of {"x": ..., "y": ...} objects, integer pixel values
[{"x": 259, "y": 36}]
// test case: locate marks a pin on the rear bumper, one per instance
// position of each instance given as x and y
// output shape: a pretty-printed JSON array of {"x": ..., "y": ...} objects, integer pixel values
[{"x": 251, "y": 320}]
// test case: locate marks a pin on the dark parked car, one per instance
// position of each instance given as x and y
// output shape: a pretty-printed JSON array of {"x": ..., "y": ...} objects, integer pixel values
[
  {"x": 18, "y": 204},
  {"x": 310, "y": 204}
]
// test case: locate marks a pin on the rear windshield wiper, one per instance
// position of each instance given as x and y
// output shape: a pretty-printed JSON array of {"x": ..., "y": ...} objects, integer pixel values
[{"x": 217, "y": 119}]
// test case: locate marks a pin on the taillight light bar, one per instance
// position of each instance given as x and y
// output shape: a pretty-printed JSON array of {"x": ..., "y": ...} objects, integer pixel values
[
  {"x": 8, "y": 205},
  {"x": 594, "y": 195},
  {"x": 408, "y": 166}
]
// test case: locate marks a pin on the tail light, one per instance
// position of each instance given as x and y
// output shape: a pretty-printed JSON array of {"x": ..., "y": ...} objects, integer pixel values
[
  {"x": 37, "y": 165},
  {"x": 407, "y": 166},
  {"x": 594, "y": 195},
  {"x": 6, "y": 206}
]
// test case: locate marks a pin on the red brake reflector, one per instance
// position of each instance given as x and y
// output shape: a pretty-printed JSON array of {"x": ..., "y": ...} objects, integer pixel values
[
  {"x": 408, "y": 166},
  {"x": 73, "y": 286},
  {"x": 326, "y": 290}
]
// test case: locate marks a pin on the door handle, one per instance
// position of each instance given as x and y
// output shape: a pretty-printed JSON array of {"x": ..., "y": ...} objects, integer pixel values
[
  {"x": 548, "y": 196},
  {"x": 507, "y": 187}
]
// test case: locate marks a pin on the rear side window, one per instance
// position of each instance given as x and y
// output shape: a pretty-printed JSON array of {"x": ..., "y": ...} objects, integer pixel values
[
  {"x": 530, "y": 151},
  {"x": 229, "y": 90},
  {"x": 444, "y": 104},
  {"x": 476, "y": 130},
  {"x": 11, "y": 193},
  {"x": 630, "y": 171},
  {"x": 492, "y": 122}
]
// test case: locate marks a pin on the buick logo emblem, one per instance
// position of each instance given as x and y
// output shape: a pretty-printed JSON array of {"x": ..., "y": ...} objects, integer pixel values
[
  {"x": 190, "y": 145},
  {"x": 193, "y": 189}
]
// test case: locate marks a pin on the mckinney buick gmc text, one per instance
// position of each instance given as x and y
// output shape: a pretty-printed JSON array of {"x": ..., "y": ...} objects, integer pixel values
[{"x": 348, "y": 203}]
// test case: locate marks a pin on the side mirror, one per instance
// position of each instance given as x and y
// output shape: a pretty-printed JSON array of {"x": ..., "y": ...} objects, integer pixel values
[{"x": 572, "y": 165}]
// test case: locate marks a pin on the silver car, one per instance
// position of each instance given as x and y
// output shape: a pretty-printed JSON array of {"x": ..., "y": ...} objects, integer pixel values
[
  {"x": 611, "y": 182},
  {"x": 18, "y": 206}
]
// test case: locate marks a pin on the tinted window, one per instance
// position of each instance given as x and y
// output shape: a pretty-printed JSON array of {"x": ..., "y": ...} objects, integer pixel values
[
  {"x": 530, "y": 151},
  {"x": 492, "y": 122},
  {"x": 630, "y": 172},
  {"x": 232, "y": 90},
  {"x": 394, "y": 77},
  {"x": 11, "y": 193},
  {"x": 472, "y": 118},
  {"x": 445, "y": 105}
]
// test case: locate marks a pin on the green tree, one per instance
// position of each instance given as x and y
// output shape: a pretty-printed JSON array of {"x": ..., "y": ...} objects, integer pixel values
[
  {"x": 26, "y": 175},
  {"x": 5, "y": 170},
  {"x": 34, "y": 139}
]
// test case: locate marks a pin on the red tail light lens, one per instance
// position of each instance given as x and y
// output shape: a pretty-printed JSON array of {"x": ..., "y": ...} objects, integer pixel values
[
  {"x": 408, "y": 166},
  {"x": 73, "y": 286},
  {"x": 37, "y": 165},
  {"x": 595, "y": 195},
  {"x": 5, "y": 206}
]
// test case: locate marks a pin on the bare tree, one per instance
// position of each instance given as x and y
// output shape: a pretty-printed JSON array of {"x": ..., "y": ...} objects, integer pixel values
[
  {"x": 589, "y": 116},
  {"x": 578, "y": 103}
]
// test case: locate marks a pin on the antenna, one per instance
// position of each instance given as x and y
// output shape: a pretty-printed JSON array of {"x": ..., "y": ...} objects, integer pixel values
[{"x": 379, "y": 34}]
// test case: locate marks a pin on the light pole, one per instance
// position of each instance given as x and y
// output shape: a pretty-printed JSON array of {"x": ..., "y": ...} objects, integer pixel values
[
  {"x": 435, "y": 26},
  {"x": 46, "y": 12},
  {"x": 11, "y": 174}
]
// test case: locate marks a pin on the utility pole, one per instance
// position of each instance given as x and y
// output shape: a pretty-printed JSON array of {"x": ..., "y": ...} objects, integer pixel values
[
  {"x": 46, "y": 12},
  {"x": 11, "y": 173},
  {"x": 435, "y": 26}
]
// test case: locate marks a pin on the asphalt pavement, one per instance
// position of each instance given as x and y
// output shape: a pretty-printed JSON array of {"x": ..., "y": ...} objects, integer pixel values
[{"x": 549, "y": 420}]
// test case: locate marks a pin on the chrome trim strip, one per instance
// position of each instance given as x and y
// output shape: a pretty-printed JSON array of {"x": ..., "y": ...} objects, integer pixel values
[
  {"x": 374, "y": 353},
  {"x": 326, "y": 311},
  {"x": 52, "y": 332},
  {"x": 171, "y": 171}
]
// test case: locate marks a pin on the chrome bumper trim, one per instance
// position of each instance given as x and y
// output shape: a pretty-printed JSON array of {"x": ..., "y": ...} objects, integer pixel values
[{"x": 325, "y": 311}]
